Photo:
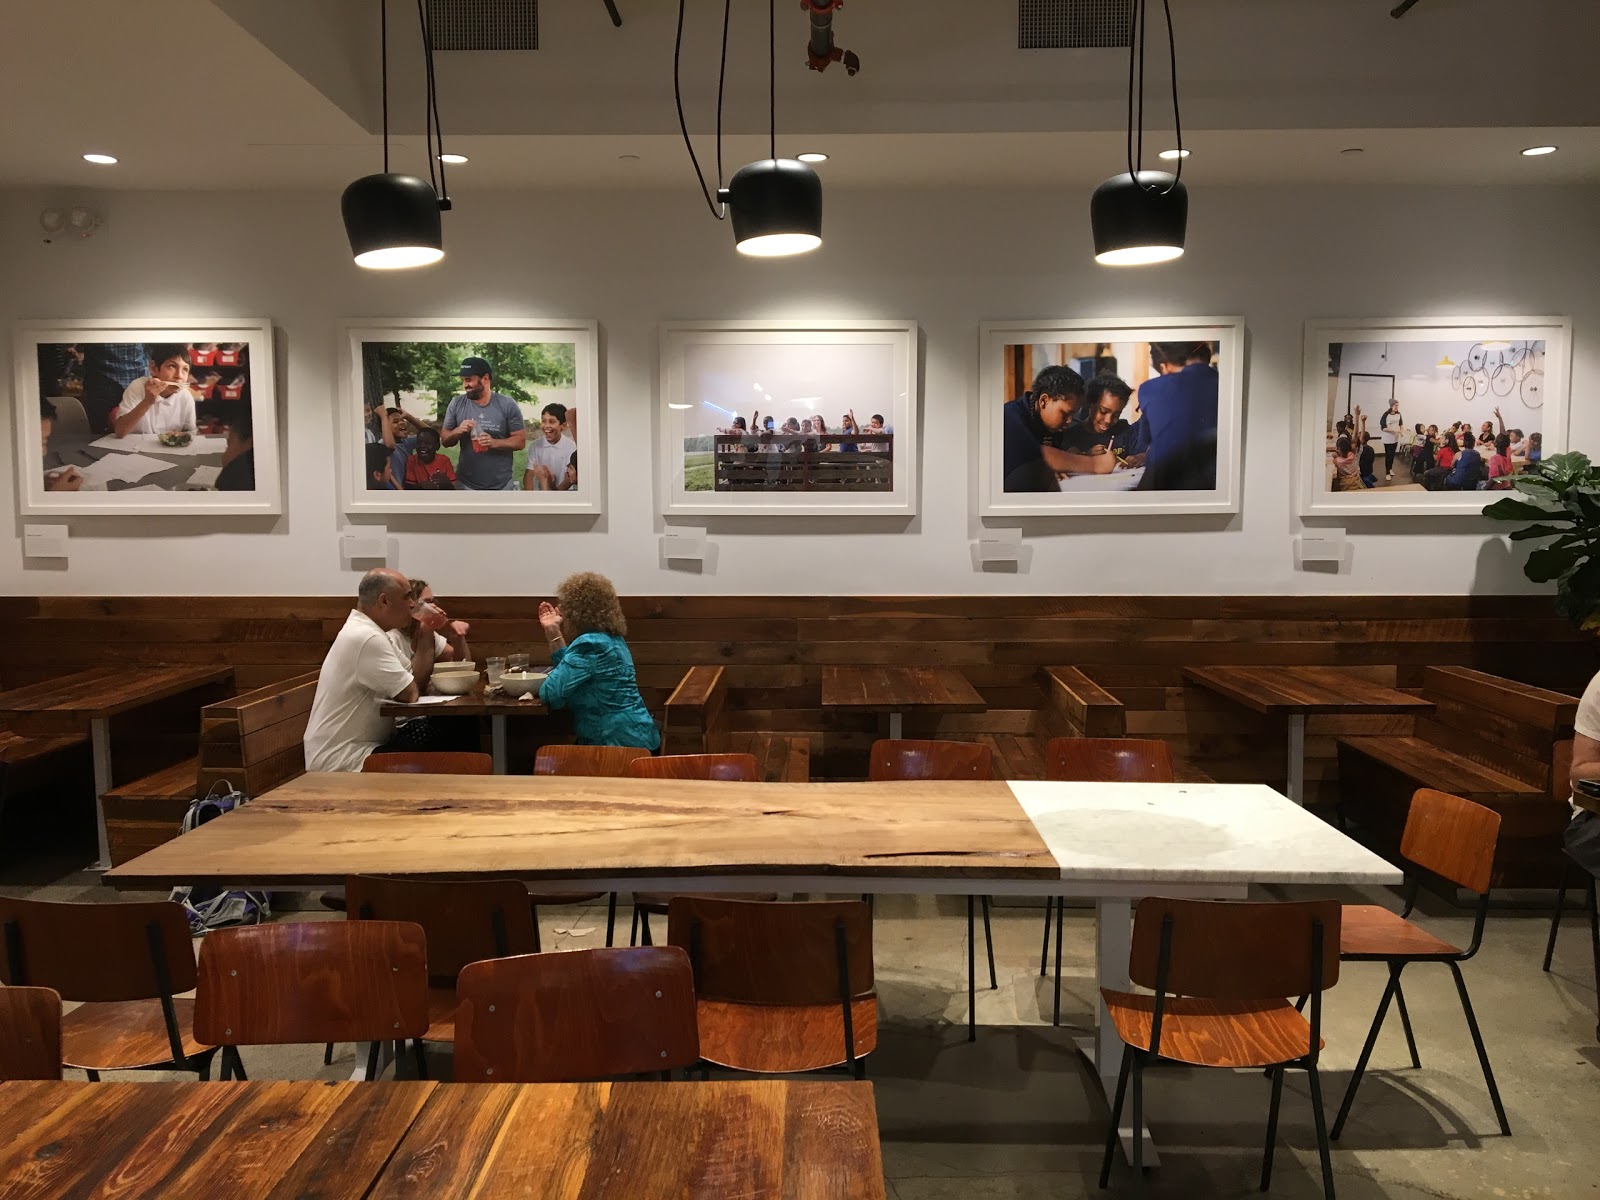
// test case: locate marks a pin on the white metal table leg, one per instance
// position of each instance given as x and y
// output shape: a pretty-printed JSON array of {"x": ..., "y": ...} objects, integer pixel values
[
  {"x": 100, "y": 739},
  {"x": 1113, "y": 938},
  {"x": 1297, "y": 758},
  {"x": 497, "y": 741},
  {"x": 896, "y": 725}
]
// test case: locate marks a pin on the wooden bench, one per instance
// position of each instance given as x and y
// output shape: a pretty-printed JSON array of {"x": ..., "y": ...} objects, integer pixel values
[
  {"x": 697, "y": 723},
  {"x": 252, "y": 742},
  {"x": 1502, "y": 744}
]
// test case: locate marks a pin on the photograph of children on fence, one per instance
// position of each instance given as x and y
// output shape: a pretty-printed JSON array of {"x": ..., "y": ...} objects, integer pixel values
[
  {"x": 470, "y": 416},
  {"x": 789, "y": 418},
  {"x": 1436, "y": 416},
  {"x": 1111, "y": 416},
  {"x": 146, "y": 416}
]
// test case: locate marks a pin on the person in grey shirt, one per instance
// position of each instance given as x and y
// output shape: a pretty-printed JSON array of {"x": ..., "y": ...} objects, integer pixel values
[{"x": 488, "y": 427}]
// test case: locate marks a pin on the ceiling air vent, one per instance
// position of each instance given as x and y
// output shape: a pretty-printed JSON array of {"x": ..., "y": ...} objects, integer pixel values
[
  {"x": 484, "y": 24},
  {"x": 1073, "y": 24}
]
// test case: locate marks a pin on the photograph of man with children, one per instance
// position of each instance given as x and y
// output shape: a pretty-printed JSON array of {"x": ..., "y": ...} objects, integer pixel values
[
  {"x": 1112, "y": 416},
  {"x": 1432, "y": 416},
  {"x": 470, "y": 416},
  {"x": 147, "y": 416}
]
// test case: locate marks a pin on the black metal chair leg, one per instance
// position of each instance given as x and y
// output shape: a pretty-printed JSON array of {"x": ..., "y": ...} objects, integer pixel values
[
  {"x": 1594, "y": 943},
  {"x": 1116, "y": 1115},
  {"x": 611, "y": 916},
  {"x": 1483, "y": 1054},
  {"x": 1044, "y": 950},
  {"x": 1061, "y": 923},
  {"x": 92, "y": 1076},
  {"x": 1366, "y": 1053},
  {"x": 1138, "y": 1124},
  {"x": 538, "y": 947},
  {"x": 644, "y": 929},
  {"x": 633, "y": 934},
  {"x": 1405, "y": 1024},
  {"x": 972, "y": 973},
  {"x": 327, "y": 1055},
  {"x": 988, "y": 942},
  {"x": 373, "y": 1050},
  {"x": 1272, "y": 1127},
  {"x": 1561, "y": 907},
  {"x": 1321, "y": 1120},
  {"x": 420, "y": 1057}
]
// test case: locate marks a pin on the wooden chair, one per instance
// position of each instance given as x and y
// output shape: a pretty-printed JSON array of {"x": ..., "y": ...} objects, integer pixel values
[
  {"x": 127, "y": 963},
  {"x": 30, "y": 1033},
  {"x": 713, "y": 768},
  {"x": 609, "y": 762},
  {"x": 1220, "y": 970},
  {"x": 1096, "y": 760},
  {"x": 567, "y": 1018},
  {"x": 313, "y": 981},
  {"x": 1455, "y": 840},
  {"x": 465, "y": 921},
  {"x": 1591, "y": 892},
  {"x": 429, "y": 762},
  {"x": 781, "y": 986},
  {"x": 904, "y": 759}
]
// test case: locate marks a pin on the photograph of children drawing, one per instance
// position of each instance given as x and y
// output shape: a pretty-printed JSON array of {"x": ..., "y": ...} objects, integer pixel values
[{"x": 1431, "y": 416}]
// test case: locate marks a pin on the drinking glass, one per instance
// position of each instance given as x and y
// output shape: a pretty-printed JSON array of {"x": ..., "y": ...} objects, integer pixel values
[
  {"x": 495, "y": 667},
  {"x": 517, "y": 662}
]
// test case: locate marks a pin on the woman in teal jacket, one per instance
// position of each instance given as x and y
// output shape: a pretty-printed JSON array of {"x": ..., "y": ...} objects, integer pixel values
[{"x": 592, "y": 674}]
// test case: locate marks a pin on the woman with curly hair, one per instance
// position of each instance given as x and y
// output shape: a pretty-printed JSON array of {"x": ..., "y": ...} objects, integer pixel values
[{"x": 592, "y": 671}]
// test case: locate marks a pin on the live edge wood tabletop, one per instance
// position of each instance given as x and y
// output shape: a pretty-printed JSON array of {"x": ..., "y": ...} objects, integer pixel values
[{"x": 764, "y": 1139}]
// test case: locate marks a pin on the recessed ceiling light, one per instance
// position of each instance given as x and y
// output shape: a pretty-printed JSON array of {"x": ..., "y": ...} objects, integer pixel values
[
  {"x": 105, "y": 160},
  {"x": 812, "y": 156},
  {"x": 453, "y": 159},
  {"x": 1171, "y": 154},
  {"x": 628, "y": 158},
  {"x": 1353, "y": 150},
  {"x": 1536, "y": 151}
]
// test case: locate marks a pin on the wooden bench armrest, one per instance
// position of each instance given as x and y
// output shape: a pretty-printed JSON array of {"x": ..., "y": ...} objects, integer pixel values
[
  {"x": 1544, "y": 709},
  {"x": 1089, "y": 709}
]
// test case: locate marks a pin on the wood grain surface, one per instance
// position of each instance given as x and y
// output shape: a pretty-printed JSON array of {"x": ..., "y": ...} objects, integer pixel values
[
  {"x": 30, "y": 1033},
  {"x": 1303, "y": 690},
  {"x": 899, "y": 689},
  {"x": 762, "y": 1140},
  {"x": 323, "y": 826},
  {"x": 58, "y": 707}
]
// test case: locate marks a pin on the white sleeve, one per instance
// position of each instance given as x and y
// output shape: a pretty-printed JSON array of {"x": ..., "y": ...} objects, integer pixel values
[
  {"x": 132, "y": 395},
  {"x": 186, "y": 414},
  {"x": 1588, "y": 722},
  {"x": 439, "y": 645},
  {"x": 380, "y": 669}
]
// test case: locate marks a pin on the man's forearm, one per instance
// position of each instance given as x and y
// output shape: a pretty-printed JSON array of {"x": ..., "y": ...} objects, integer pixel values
[
  {"x": 422, "y": 660},
  {"x": 449, "y": 437}
]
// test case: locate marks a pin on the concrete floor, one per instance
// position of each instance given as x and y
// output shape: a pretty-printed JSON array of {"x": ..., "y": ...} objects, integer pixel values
[{"x": 1017, "y": 1115}]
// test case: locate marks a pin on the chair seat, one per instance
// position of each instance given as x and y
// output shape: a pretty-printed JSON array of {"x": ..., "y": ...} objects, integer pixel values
[
  {"x": 442, "y": 1006},
  {"x": 655, "y": 903},
  {"x": 125, "y": 1034},
  {"x": 1372, "y": 931},
  {"x": 1213, "y": 1033},
  {"x": 540, "y": 899},
  {"x": 779, "y": 1038}
]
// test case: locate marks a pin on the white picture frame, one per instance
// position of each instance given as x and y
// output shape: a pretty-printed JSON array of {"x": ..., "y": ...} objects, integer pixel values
[
  {"x": 814, "y": 369},
  {"x": 137, "y": 476},
  {"x": 580, "y": 396},
  {"x": 1430, "y": 393},
  {"x": 1007, "y": 353}
]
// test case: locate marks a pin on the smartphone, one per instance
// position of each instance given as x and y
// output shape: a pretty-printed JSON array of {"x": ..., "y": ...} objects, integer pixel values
[{"x": 1590, "y": 787}]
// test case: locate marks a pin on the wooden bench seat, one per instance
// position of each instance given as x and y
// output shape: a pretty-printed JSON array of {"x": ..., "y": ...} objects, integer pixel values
[
  {"x": 1015, "y": 757},
  {"x": 147, "y": 812},
  {"x": 16, "y": 749},
  {"x": 696, "y": 722}
]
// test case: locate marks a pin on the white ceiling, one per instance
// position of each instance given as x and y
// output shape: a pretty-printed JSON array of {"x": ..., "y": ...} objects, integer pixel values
[{"x": 284, "y": 94}]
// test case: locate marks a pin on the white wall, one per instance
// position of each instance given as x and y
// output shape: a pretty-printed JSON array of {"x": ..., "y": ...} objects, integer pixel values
[{"x": 947, "y": 259}]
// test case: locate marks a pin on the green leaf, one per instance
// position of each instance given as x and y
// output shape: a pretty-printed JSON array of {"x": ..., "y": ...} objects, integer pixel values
[
  {"x": 1528, "y": 532},
  {"x": 1520, "y": 510},
  {"x": 1536, "y": 484},
  {"x": 1552, "y": 562}
]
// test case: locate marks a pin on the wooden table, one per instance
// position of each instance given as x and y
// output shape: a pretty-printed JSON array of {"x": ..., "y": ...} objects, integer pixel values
[
  {"x": 479, "y": 702},
  {"x": 1108, "y": 842},
  {"x": 1298, "y": 692},
  {"x": 807, "y": 1140},
  {"x": 899, "y": 690},
  {"x": 63, "y": 706}
]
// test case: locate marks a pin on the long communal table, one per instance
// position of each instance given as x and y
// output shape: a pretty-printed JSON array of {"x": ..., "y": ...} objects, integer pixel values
[
  {"x": 1108, "y": 842},
  {"x": 247, "y": 1140}
]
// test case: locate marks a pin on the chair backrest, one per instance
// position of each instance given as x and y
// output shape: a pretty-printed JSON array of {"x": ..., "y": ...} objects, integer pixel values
[
  {"x": 597, "y": 761},
  {"x": 725, "y": 768},
  {"x": 312, "y": 981},
  {"x": 96, "y": 952},
  {"x": 1108, "y": 760},
  {"x": 429, "y": 762},
  {"x": 580, "y": 1015},
  {"x": 772, "y": 952},
  {"x": 1452, "y": 837},
  {"x": 1235, "y": 949},
  {"x": 906, "y": 759},
  {"x": 30, "y": 1033},
  {"x": 464, "y": 920}
]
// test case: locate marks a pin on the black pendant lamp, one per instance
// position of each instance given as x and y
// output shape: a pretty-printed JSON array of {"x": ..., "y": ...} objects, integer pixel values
[
  {"x": 775, "y": 203},
  {"x": 392, "y": 220},
  {"x": 1141, "y": 217}
]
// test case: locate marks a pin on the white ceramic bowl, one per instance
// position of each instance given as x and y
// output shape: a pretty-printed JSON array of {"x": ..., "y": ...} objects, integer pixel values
[
  {"x": 522, "y": 683},
  {"x": 454, "y": 683},
  {"x": 444, "y": 668}
]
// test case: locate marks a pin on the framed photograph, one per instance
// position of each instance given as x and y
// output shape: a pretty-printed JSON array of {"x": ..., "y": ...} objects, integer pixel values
[
  {"x": 813, "y": 418},
  {"x": 1435, "y": 415},
  {"x": 443, "y": 416},
  {"x": 1129, "y": 417},
  {"x": 141, "y": 418}
]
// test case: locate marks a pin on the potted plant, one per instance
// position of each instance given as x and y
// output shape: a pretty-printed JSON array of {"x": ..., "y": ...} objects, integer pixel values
[{"x": 1562, "y": 499}]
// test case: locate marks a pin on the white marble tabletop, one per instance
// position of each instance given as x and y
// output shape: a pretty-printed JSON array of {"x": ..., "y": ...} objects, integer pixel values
[{"x": 1192, "y": 833}]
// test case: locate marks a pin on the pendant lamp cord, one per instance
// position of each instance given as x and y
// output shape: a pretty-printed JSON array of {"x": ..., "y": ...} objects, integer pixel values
[
  {"x": 433, "y": 134},
  {"x": 1136, "y": 38},
  {"x": 772, "y": 78},
  {"x": 383, "y": 44},
  {"x": 677, "y": 97}
]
